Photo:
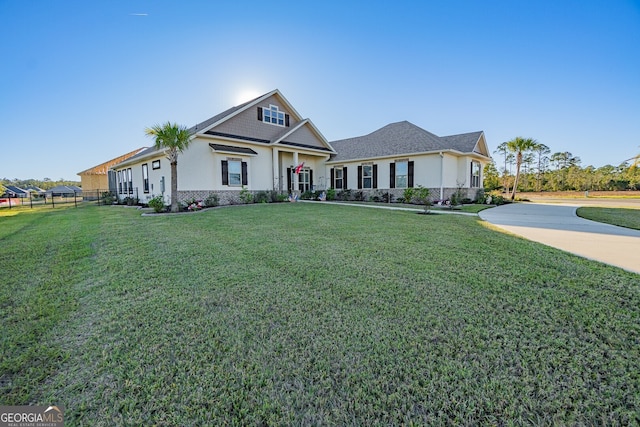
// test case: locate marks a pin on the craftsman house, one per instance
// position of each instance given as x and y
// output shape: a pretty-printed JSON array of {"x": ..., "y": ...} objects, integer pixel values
[{"x": 259, "y": 145}]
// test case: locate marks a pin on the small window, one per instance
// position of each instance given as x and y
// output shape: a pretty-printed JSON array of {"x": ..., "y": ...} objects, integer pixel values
[
  {"x": 155, "y": 164},
  {"x": 402, "y": 174},
  {"x": 130, "y": 179},
  {"x": 337, "y": 182},
  {"x": 475, "y": 174},
  {"x": 119, "y": 182},
  {"x": 235, "y": 172},
  {"x": 145, "y": 177},
  {"x": 367, "y": 176},
  {"x": 273, "y": 115}
]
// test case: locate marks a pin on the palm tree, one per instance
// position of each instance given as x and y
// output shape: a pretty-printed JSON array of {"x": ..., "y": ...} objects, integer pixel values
[
  {"x": 174, "y": 139},
  {"x": 502, "y": 149},
  {"x": 542, "y": 151},
  {"x": 518, "y": 146}
]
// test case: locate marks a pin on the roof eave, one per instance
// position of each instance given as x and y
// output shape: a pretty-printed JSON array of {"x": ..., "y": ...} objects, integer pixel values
[{"x": 418, "y": 153}]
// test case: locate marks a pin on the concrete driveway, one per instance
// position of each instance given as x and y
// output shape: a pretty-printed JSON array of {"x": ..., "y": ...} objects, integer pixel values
[{"x": 559, "y": 226}]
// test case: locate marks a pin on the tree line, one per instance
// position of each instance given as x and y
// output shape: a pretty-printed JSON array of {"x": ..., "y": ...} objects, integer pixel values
[
  {"x": 527, "y": 165},
  {"x": 45, "y": 183}
]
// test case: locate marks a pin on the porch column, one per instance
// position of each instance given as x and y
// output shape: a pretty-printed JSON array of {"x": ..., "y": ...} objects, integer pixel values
[
  {"x": 276, "y": 169},
  {"x": 294, "y": 181}
]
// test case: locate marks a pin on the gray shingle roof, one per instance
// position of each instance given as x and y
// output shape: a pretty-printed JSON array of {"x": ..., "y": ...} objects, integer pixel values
[
  {"x": 397, "y": 139},
  {"x": 217, "y": 117},
  {"x": 16, "y": 191},
  {"x": 232, "y": 149}
]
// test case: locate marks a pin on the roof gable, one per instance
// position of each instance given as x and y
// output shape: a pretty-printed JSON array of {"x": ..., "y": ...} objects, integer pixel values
[
  {"x": 102, "y": 168},
  {"x": 270, "y": 98},
  {"x": 304, "y": 135}
]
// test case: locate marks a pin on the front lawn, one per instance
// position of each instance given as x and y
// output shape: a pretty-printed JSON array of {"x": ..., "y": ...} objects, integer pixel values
[
  {"x": 629, "y": 218},
  {"x": 309, "y": 314}
]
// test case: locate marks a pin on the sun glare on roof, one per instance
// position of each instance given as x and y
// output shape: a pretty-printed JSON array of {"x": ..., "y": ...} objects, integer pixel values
[{"x": 245, "y": 95}]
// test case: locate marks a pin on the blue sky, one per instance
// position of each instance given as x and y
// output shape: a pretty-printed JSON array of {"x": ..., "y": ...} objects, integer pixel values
[{"x": 80, "y": 80}]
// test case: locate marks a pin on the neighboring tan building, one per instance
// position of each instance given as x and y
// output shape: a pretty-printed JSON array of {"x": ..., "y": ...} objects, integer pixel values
[{"x": 96, "y": 178}]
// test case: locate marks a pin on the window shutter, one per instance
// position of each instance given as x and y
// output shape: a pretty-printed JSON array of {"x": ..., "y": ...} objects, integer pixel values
[
  {"x": 344, "y": 178},
  {"x": 410, "y": 177},
  {"x": 392, "y": 175},
  {"x": 375, "y": 176},
  {"x": 332, "y": 174},
  {"x": 286, "y": 120},
  {"x": 245, "y": 180},
  {"x": 225, "y": 172},
  {"x": 359, "y": 177},
  {"x": 260, "y": 113},
  {"x": 310, "y": 178},
  {"x": 288, "y": 179}
]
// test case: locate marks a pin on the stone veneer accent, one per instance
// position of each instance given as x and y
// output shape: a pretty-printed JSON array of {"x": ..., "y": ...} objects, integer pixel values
[
  {"x": 434, "y": 193},
  {"x": 225, "y": 197},
  {"x": 232, "y": 197}
]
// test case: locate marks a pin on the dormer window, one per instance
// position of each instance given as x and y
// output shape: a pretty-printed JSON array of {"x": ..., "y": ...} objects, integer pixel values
[{"x": 273, "y": 116}]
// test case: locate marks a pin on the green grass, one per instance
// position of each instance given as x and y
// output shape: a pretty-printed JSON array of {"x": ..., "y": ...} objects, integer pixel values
[
  {"x": 629, "y": 218},
  {"x": 473, "y": 208},
  {"x": 309, "y": 314}
]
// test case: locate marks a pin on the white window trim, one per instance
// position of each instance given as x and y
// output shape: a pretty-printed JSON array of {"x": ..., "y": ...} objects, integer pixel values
[
  {"x": 477, "y": 184},
  {"x": 229, "y": 161},
  {"x": 270, "y": 109},
  {"x": 406, "y": 184},
  {"x": 370, "y": 166},
  {"x": 335, "y": 177}
]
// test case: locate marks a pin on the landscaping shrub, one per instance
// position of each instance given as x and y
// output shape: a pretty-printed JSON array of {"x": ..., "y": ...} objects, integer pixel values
[
  {"x": 246, "y": 196},
  {"x": 212, "y": 200},
  {"x": 193, "y": 205},
  {"x": 157, "y": 203},
  {"x": 331, "y": 194},
  {"x": 495, "y": 198},
  {"x": 261, "y": 197},
  {"x": 344, "y": 195},
  {"x": 421, "y": 197},
  {"x": 130, "y": 201},
  {"x": 308, "y": 195},
  {"x": 107, "y": 198},
  {"x": 407, "y": 195}
]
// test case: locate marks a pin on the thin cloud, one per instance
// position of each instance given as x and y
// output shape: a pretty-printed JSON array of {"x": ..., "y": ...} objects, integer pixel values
[{"x": 138, "y": 14}]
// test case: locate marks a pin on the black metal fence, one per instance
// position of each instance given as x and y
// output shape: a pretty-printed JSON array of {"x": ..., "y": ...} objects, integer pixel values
[
  {"x": 47, "y": 199},
  {"x": 110, "y": 197},
  {"x": 100, "y": 197}
]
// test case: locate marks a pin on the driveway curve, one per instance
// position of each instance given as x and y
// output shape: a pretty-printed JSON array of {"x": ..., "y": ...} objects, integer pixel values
[{"x": 559, "y": 226}]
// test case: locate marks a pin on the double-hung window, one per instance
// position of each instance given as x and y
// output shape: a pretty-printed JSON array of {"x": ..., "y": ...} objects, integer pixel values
[
  {"x": 120, "y": 182},
  {"x": 235, "y": 172},
  {"x": 130, "y": 180},
  {"x": 367, "y": 176},
  {"x": 338, "y": 178},
  {"x": 402, "y": 174},
  {"x": 145, "y": 177},
  {"x": 475, "y": 174}
]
